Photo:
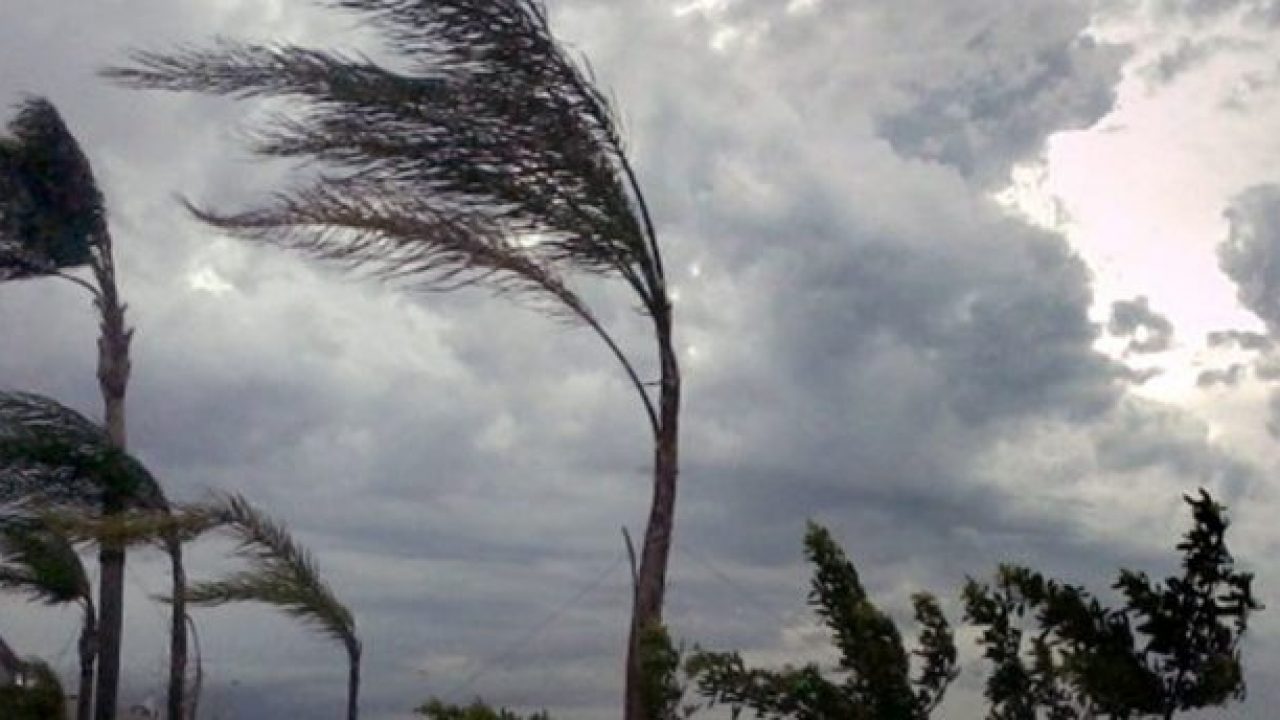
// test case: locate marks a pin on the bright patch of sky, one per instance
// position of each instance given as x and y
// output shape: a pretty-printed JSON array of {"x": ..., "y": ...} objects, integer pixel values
[{"x": 1141, "y": 194}]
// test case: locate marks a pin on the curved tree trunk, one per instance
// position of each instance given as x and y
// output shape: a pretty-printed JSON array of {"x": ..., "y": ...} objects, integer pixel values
[
  {"x": 651, "y": 580},
  {"x": 113, "y": 381},
  {"x": 88, "y": 652}
]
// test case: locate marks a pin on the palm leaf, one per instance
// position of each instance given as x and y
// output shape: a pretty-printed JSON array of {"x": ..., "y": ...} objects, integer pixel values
[
  {"x": 52, "y": 454},
  {"x": 491, "y": 138},
  {"x": 51, "y": 212},
  {"x": 281, "y": 573},
  {"x": 40, "y": 562}
]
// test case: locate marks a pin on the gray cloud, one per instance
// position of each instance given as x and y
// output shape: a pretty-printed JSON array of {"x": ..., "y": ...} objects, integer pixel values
[
  {"x": 870, "y": 342},
  {"x": 1250, "y": 255},
  {"x": 1243, "y": 339},
  {"x": 984, "y": 116},
  {"x": 1148, "y": 331},
  {"x": 1188, "y": 55},
  {"x": 1229, "y": 376},
  {"x": 1266, "y": 12}
]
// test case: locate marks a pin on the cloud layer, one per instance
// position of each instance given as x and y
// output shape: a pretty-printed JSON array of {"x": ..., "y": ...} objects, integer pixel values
[{"x": 869, "y": 340}]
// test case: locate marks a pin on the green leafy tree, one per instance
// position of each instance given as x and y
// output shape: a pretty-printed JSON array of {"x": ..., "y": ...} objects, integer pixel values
[
  {"x": 41, "y": 563},
  {"x": 52, "y": 222},
  {"x": 1170, "y": 647},
  {"x": 282, "y": 574},
  {"x": 486, "y": 158},
  {"x": 872, "y": 679}
]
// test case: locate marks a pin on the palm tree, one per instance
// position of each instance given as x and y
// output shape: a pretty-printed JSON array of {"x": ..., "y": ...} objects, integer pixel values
[
  {"x": 54, "y": 458},
  {"x": 283, "y": 574},
  {"x": 52, "y": 221},
  {"x": 491, "y": 160},
  {"x": 41, "y": 563}
]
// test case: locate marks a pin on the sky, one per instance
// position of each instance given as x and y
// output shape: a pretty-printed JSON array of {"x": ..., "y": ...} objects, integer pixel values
[{"x": 970, "y": 283}]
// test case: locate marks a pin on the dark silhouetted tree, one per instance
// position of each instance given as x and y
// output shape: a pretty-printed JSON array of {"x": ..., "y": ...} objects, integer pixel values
[
  {"x": 1169, "y": 647},
  {"x": 872, "y": 680},
  {"x": 1057, "y": 652},
  {"x": 487, "y": 157}
]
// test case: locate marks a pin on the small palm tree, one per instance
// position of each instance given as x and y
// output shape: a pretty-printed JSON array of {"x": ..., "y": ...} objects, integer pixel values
[
  {"x": 53, "y": 457},
  {"x": 491, "y": 159},
  {"x": 40, "y": 562},
  {"x": 53, "y": 221},
  {"x": 282, "y": 574}
]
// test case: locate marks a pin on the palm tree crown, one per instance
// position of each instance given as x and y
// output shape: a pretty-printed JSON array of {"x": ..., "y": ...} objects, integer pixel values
[
  {"x": 282, "y": 574},
  {"x": 485, "y": 157}
]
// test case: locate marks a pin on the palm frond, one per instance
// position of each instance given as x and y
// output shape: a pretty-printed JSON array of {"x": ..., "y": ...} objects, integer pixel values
[
  {"x": 493, "y": 141},
  {"x": 51, "y": 212},
  {"x": 40, "y": 562},
  {"x": 129, "y": 527},
  {"x": 52, "y": 454},
  {"x": 281, "y": 573}
]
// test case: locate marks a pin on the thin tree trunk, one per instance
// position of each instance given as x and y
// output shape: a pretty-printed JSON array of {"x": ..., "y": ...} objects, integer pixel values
[
  {"x": 113, "y": 380},
  {"x": 111, "y": 598},
  {"x": 353, "y": 682},
  {"x": 651, "y": 580},
  {"x": 177, "y": 632},
  {"x": 88, "y": 652},
  {"x": 197, "y": 683}
]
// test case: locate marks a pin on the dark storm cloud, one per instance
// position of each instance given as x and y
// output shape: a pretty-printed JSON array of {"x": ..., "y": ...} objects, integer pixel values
[
  {"x": 1148, "y": 331},
  {"x": 1250, "y": 255},
  {"x": 864, "y": 331}
]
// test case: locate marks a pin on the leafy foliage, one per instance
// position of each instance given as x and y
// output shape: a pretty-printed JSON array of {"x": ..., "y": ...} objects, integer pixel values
[
  {"x": 40, "y": 697},
  {"x": 661, "y": 688},
  {"x": 1168, "y": 648},
  {"x": 873, "y": 676},
  {"x": 52, "y": 454},
  {"x": 40, "y": 562},
  {"x": 478, "y": 710},
  {"x": 51, "y": 213}
]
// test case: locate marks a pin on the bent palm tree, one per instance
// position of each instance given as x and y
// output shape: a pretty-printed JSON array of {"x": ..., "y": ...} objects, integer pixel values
[
  {"x": 492, "y": 160},
  {"x": 283, "y": 574},
  {"x": 53, "y": 220},
  {"x": 43, "y": 564}
]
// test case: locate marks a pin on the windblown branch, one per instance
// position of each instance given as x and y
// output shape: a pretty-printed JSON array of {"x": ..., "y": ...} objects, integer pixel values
[
  {"x": 510, "y": 140},
  {"x": 41, "y": 562},
  {"x": 281, "y": 573}
]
